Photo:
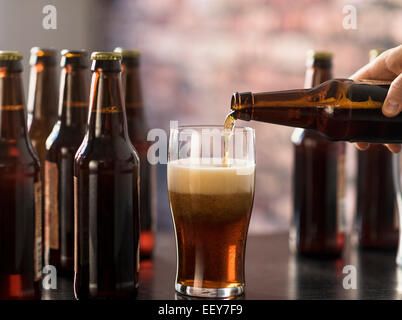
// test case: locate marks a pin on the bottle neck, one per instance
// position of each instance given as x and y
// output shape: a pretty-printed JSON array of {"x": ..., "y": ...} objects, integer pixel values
[
  {"x": 281, "y": 107},
  {"x": 133, "y": 100},
  {"x": 12, "y": 113},
  {"x": 131, "y": 81},
  {"x": 316, "y": 75},
  {"x": 42, "y": 94},
  {"x": 107, "y": 114},
  {"x": 317, "y": 72},
  {"x": 74, "y": 91}
]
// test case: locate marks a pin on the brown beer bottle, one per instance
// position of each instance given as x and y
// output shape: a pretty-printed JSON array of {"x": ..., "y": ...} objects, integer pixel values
[
  {"x": 106, "y": 186},
  {"x": 42, "y": 98},
  {"x": 340, "y": 109},
  {"x": 137, "y": 131},
  {"x": 20, "y": 189},
  {"x": 61, "y": 145},
  {"x": 318, "y": 180},
  {"x": 376, "y": 220}
]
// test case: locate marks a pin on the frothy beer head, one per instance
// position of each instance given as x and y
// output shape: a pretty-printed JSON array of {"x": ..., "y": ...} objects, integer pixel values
[{"x": 210, "y": 177}]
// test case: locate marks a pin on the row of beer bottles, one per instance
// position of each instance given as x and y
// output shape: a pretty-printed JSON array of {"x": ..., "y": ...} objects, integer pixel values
[
  {"x": 319, "y": 186},
  {"x": 106, "y": 180},
  {"x": 58, "y": 154}
]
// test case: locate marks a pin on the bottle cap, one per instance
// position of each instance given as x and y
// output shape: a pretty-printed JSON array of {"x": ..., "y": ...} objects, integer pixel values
[
  {"x": 322, "y": 59},
  {"x": 114, "y": 56},
  {"x": 126, "y": 53},
  {"x": 10, "y": 55},
  {"x": 322, "y": 55}
]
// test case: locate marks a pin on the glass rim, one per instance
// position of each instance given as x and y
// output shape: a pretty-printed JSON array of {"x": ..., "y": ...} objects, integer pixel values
[{"x": 217, "y": 126}]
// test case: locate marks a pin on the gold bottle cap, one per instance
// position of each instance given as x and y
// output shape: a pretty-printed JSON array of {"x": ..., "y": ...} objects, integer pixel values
[
  {"x": 322, "y": 55},
  {"x": 374, "y": 53},
  {"x": 126, "y": 53},
  {"x": 73, "y": 53},
  {"x": 10, "y": 55},
  {"x": 106, "y": 56}
]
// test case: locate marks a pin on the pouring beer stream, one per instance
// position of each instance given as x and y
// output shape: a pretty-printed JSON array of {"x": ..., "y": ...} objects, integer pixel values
[{"x": 228, "y": 132}]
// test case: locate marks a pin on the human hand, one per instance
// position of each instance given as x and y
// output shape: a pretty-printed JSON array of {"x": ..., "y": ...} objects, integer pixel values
[{"x": 387, "y": 66}]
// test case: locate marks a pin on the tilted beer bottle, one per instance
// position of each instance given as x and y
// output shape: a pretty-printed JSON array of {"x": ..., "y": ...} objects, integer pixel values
[
  {"x": 106, "y": 186},
  {"x": 376, "y": 220},
  {"x": 340, "y": 109},
  {"x": 61, "y": 145},
  {"x": 20, "y": 189},
  {"x": 318, "y": 180},
  {"x": 137, "y": 131}
]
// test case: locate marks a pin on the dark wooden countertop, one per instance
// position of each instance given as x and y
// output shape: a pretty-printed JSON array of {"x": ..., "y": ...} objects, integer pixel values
[{"x": 272, "y": 272}]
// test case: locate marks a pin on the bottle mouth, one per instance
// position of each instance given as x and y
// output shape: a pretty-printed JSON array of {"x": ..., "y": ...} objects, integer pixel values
[
  {"x": 241, "y": 100},
  {"x": 47, "y": 56},
  {"x": 43, "y": 52},
  {"x": 130, "y": 58},
  {"x": 76, "y": 58},
  {"x": 241, "y": 105},
  {"x": 235, "y": 102},
  {"x": 74, "y": 53}
]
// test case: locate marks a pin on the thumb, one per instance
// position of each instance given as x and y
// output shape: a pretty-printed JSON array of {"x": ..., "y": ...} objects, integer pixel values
[{"x": 393, "y": 102}]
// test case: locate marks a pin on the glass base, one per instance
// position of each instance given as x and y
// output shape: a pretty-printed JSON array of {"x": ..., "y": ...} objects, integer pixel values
[{"x": 210, "y": 292}]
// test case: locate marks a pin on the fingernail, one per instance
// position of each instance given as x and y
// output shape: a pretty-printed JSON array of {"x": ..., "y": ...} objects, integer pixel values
[
  {"x": 362, "y": 146},
  {"x": 391, "y": 107},
  {"x": 394, "y": 148}
]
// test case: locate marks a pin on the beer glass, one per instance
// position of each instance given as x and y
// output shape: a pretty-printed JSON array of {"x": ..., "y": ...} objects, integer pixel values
[{"x": 211, "y": 178}]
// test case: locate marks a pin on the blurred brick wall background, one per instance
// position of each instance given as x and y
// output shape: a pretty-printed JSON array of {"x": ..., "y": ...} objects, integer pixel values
[{"x": 196, "y": 53}]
